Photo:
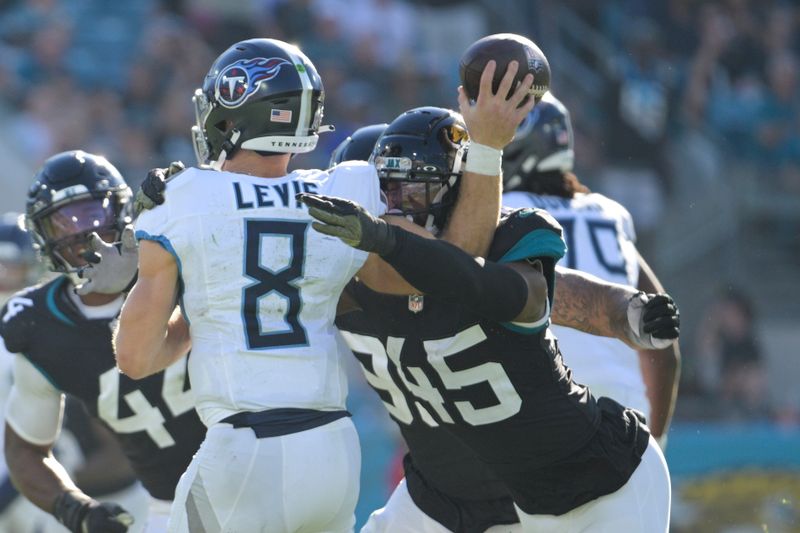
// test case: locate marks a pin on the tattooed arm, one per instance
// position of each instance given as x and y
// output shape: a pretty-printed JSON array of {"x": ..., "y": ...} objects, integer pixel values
[{"x": 589, "y": 304}]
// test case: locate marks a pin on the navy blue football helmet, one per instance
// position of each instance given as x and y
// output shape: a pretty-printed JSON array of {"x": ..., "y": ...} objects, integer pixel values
[
  {"x": 358, "y": 146},
  {"x": 419, "y": 159},
  {"x": 260, "y": 94},
  {"x": 73, "y": 195},
  {"x": 543, "y": 143}
]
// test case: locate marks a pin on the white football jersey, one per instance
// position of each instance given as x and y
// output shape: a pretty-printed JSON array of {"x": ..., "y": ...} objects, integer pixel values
[
  {"x": 260, "y": 286},
  {"x": 600, "y": 241}
]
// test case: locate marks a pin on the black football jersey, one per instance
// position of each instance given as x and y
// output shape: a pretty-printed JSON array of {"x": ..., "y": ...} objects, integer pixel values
[
  {"x": 153, "y": 418},
  {"x": 487, "y": 409}
]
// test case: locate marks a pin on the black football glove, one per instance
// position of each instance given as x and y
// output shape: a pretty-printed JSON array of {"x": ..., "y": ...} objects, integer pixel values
[
  {"x": 349, "y": 222},
  {"x": 151, "y": 192},
  {"x": 654, "y": 320},
  {"x": 81, "y": 514}
]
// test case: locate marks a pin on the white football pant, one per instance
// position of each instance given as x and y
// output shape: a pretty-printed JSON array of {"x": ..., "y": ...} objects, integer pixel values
[
  {"x": 641, "y": 505},
  {"x": 401, "y": 515},
  {"x": 305, "y": 482}
]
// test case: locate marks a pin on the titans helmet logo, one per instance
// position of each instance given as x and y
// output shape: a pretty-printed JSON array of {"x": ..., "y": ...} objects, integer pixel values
[{"x": 240, "y": 80}]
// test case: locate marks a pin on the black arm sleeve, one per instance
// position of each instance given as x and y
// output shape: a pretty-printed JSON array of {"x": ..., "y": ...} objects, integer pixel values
[{"x": 441, "y": 270}]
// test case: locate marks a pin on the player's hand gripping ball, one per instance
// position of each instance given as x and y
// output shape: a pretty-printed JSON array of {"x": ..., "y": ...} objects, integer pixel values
[{"x": 504, "y": 48}]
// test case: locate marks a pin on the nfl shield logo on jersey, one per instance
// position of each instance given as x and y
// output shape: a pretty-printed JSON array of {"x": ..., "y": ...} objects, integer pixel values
[{"x": 415, "y": 303}]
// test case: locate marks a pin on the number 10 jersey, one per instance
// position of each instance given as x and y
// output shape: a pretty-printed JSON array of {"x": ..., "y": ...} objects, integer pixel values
[{"x": 259, "y": 287}]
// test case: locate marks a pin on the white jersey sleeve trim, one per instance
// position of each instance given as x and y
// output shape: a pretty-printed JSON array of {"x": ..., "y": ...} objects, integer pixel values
[{"x": 35, "y": 407}]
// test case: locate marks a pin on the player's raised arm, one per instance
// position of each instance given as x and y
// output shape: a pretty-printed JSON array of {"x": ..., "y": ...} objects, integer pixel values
[
  {"x": 644, "y": 321},
  {"x": 151, "y": 334},
  {"x": 491, "y": 123}
]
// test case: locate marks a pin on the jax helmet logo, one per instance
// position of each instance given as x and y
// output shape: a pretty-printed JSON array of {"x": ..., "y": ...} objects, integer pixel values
[{"x": 240, "y": 80}]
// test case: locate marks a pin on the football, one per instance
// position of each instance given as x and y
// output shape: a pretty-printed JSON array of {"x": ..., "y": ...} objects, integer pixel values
[{"x": 504, "y": 48}]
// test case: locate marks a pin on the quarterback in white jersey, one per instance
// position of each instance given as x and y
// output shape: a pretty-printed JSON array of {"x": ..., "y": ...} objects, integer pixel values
[
  {"x": 601, "y": 241},
  {"x": 259, "y": 287},
  {"x": 258, "y": 292}
]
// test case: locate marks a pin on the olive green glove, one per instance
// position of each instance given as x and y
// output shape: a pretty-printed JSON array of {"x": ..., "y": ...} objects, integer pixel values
[{"x": 349, "y": 222}]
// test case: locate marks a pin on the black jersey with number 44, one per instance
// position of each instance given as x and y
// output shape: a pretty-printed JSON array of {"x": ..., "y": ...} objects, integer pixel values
[
  {"x": 490, "y": 409},
  {"x": 153, "y": 418}
]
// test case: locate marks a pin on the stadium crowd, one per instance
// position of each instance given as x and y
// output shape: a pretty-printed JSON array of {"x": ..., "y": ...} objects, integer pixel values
[{"x": 726, "y": 68}]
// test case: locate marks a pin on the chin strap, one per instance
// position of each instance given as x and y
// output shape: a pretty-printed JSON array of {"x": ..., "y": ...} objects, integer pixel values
[{"x": 228, "y": 147}]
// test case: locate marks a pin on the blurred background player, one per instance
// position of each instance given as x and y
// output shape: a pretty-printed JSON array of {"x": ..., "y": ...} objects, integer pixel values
[
  {"x": 537, "y": 172},
  {"x": 86, "y": 449},
  {"x": 64, "y": 332},
  {"x": 18, "y": 264}
]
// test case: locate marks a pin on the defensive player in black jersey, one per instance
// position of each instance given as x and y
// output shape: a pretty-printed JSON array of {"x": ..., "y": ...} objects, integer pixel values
[
  {"x": 61, "y": 332},
  {"x": 87, "y": 449},
  {"x": 473, "y": 362}
]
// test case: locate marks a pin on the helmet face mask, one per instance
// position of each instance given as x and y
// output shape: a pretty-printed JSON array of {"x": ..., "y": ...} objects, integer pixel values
[
  {"x": 413, "y": 199},
  {"x": 260, "y": 94},
  {"x": 75, "y": 194},
  {"x": 202, "y": 108},
  {"x": 67, "y": 230},
  {"x": 419, "y": 159}
]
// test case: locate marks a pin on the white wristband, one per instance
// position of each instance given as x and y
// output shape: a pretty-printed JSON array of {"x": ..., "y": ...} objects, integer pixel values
[{"x": 482, "y": 159}]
